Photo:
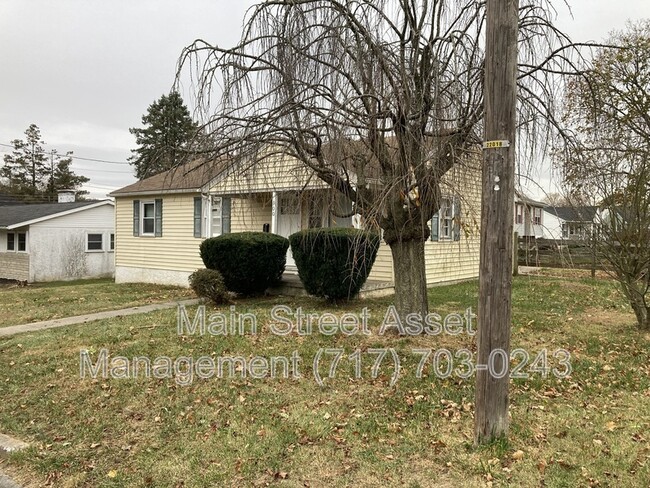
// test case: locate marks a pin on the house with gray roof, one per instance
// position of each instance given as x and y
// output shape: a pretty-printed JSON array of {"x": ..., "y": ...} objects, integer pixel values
[
  {"x": 57, "y": 241},
  {"x": 562, "y": 223}
]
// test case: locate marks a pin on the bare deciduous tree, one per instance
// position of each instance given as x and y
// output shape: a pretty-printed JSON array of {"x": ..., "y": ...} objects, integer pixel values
[
  {"x": 607, "y": 159},
  {"x": 378, "y": 98}
]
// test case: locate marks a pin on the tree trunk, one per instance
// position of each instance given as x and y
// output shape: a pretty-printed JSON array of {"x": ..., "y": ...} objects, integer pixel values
[
  {"x": 642, "y": 313},
  {"x": 410, "y": 277}
]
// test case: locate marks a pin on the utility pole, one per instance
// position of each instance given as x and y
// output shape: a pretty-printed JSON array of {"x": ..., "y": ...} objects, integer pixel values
[
  {"x": 51, "y": 185},
  {"x": 495, "y": 275}
]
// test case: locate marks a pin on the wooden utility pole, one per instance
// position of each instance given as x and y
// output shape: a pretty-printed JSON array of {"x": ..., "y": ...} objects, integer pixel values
[{"x": 495, "y": 279}]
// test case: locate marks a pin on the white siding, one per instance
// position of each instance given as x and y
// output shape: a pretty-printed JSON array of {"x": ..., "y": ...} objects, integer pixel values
[{"x": 57, "y": 246}]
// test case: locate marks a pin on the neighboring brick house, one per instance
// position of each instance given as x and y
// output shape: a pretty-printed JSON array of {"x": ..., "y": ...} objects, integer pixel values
[{"x": 57, "y": 241}]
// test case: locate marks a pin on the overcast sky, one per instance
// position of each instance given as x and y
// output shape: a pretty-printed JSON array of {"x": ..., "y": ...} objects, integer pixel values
[{"x": 85, "y": 71}]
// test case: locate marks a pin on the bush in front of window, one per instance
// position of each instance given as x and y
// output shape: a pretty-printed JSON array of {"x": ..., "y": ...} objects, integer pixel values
[
  {"x": 334, "y": 263},
  {"x": 249, "y": 262},
  {"x": 208, "y": 283}
]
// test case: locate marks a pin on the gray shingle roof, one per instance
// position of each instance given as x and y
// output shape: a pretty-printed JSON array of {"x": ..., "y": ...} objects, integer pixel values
[
  {"x": 15, "y": 214},
  {"x": 574, "y": 214}
]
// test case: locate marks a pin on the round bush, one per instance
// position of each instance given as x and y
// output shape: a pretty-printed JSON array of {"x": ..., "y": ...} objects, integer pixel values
[
  {"x": 208, "y": 283},
  {"x": 249, "y": 262},
  {"x": 334, "y": 263}
]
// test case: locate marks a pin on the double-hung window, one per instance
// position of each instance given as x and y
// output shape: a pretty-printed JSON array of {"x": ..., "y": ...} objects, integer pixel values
[
  {"x": 519, "y": 215},
  {"x": 445, "y": 224},
  {"x": 148, "y": 218}
]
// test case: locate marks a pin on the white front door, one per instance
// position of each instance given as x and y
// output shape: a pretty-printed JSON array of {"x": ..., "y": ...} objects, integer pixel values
[{"x": 289, "y": 220}]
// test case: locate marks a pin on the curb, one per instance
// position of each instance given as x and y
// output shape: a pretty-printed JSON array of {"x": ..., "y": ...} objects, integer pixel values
[{"x": 9, "y": 444}]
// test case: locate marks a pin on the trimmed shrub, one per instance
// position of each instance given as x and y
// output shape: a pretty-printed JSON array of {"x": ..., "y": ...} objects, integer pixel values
[
  {"x": 208, "y": 283},
  {"x": 249, "y": 262},
  {"x": 334, "y": 263}
]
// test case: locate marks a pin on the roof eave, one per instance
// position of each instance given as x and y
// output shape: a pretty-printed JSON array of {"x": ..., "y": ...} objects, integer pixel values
[{"x": 118, "y": 194}]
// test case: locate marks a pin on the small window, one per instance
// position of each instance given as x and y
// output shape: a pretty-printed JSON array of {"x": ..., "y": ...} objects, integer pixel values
[
  {"x": 95, "y": 242},
  {"x": 537, "y": 216},
  {"x": 148, "y": 218},
  {"x": 112, "y": 242},
  {"x": 17, "y": 241},
  {"x": 519, "y": 218},
  {"x": 446, "y": 219}
]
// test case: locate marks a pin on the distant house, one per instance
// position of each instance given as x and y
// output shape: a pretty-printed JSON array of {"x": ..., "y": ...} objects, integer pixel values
[
  {"x": 529, "y": 216},
  {"x": 162, "y": 220},
  {"x": 57, "y": 241},
  {"x": 562, "y": 223}
]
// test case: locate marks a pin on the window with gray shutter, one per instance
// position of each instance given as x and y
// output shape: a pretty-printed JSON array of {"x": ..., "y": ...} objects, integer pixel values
[
  {"x": 136, "y": 218},
  {"x": 159, "y": 216},
  {"x": 198, "y": 216}
]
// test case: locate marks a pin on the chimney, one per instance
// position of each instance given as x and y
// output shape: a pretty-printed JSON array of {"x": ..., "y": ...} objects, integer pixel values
[{"x": 66, "y": 196}]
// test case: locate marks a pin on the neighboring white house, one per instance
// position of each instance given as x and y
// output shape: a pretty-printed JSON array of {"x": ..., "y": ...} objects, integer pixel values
[
  {"x": 563, "y": 223},
  {"x": 529, "y": 216},
  {"x": 57, "y": 241}
]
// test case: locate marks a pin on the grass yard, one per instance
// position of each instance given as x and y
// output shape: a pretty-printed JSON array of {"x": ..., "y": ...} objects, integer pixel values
[
  {"x": 44, "y": 301},
  {"x": 589, "y": 429}
]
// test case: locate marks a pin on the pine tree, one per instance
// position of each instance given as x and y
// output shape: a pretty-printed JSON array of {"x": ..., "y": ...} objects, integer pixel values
[
  {"x": 32, "y": 172},
  {"x": 63, "y": 178},
  {"x": 164, "y": 139},
  {"x": 25, "y": 169}
]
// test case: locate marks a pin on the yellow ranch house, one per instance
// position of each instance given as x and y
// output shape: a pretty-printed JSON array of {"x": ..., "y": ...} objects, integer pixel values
[{"x": 161, "y": 221}]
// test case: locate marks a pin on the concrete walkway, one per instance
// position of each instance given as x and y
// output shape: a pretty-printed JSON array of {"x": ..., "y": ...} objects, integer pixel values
[
  {"x": 91, "y": 317},
  {"x": 6, "y": 482}
]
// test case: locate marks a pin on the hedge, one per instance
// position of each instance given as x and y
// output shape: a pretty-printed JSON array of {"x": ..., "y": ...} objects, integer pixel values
[
  {"x": 334, "y": 263},
  {"x": 249, "y": 262}
]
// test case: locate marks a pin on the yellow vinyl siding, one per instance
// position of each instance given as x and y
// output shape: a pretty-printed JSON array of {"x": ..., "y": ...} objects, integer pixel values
[
  {"x": 176, "y": 250},
  {"x": 275, "y": 173},
  {"x": 250, "y": 213},
  {"x": 458, "y": 260},
  {"x": 448, "y": 260},
  {"x": 382, "y": 270}
]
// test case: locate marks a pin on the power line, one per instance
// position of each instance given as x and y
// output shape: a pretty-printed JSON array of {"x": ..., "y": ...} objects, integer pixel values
[{"x": 79, "y": 157}]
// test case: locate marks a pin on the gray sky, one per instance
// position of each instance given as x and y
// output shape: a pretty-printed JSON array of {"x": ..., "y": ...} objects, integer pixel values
[{"x": 85, "y": 71}]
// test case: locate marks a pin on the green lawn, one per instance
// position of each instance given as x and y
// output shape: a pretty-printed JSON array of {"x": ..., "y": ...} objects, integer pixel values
[
  {"x": 44, "y": 301},
  {"x": 589, "y": 429}
]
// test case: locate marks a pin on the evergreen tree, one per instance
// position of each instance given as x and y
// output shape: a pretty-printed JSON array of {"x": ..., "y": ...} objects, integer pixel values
[
  {"x": 63, "y": 178},
  {"x": 25, "y": 169},
  {"x": 164, "y": 140},
  {"x": 32, "y": 172}
]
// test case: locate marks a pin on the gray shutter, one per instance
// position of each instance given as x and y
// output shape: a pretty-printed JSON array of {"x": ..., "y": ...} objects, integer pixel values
[
  {"x": 198, "y": 215},
  {"x": 136, "y": 218},
  {"x": 457, "y": 216},
  {"x": 435, "y": 226},
  {"x": 158, "y": 220},
  {"x": 225, "y": 215}
]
